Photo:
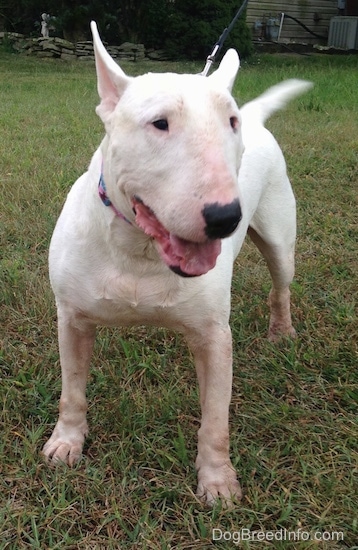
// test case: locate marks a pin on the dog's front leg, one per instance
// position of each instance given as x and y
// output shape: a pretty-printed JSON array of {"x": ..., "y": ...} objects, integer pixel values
[
  {"x": 76, "y": 338},
  {"x": 212, "y": 351}
]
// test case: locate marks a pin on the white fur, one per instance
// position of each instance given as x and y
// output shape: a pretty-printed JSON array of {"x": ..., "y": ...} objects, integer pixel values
[{"x": 106, "y": 271}]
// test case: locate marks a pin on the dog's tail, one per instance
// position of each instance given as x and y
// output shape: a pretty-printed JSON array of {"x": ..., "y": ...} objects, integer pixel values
[{"x": 275, "y": 98}]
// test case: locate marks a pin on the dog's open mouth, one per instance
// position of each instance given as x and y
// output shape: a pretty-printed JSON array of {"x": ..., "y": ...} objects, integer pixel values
[{"x": 186, "y": 258}]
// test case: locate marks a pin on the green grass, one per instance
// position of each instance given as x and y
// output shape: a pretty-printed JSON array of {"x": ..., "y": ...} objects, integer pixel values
[{"x": 294, "y": 433}]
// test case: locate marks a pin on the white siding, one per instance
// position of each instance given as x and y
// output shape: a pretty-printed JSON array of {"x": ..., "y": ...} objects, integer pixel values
[{"x": 306, "y": 11}]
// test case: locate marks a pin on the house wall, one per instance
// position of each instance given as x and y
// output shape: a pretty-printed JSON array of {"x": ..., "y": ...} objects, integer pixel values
[{"x": 315, "y": 14}]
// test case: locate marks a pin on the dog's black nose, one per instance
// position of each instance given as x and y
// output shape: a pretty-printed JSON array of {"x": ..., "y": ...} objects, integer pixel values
[{"x": 221, "y": 220}]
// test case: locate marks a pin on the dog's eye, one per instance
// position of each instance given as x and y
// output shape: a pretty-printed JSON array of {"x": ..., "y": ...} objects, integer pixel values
[
  {"x": 161, "y": 124},
  {"x": 234, "y": 123}
]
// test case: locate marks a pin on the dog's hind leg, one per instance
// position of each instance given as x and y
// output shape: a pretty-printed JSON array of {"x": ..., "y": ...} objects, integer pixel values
[
  {"x": 274, "y": 234},
  {"x": 76, "y": 338},
  {"x": 212, "y": 349}
]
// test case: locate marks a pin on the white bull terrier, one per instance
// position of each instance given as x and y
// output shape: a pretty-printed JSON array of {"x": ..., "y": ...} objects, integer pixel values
[{"x": 149, "y": 234}]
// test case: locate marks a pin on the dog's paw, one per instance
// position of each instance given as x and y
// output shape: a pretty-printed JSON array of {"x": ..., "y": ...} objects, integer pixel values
[
  {"x": 214, "y": 485},
  {"x": 64, "y": 446},
  {"x": 278, "y": 332}
]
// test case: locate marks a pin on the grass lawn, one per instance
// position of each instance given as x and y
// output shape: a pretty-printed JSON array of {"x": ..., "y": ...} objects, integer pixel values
[{"x": 294, "y": 423}]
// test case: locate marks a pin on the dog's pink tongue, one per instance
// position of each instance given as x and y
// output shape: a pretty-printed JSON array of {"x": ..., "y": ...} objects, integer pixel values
[{"x": 191, "y": 258}]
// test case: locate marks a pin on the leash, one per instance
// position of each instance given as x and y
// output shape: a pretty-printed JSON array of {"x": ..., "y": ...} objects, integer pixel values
[{"x": 219, "y": 44}]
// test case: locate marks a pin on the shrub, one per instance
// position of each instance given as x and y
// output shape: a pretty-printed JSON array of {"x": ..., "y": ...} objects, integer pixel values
[{"x": 194, "y": 26}]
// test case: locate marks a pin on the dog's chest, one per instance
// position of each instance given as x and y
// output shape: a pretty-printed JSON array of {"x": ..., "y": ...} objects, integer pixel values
[{"x": 127, "y": 300}]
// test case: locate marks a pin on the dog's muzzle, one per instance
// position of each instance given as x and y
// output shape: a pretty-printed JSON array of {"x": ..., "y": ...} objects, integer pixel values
[
  {"x": 190, "y": 258},
  {"x": 221, "y": 220}
]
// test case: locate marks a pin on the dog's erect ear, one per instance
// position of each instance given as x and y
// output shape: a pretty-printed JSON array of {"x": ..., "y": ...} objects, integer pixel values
[
  {"x": 226, "y": 73},
  {"x": 111, "y": 80}
]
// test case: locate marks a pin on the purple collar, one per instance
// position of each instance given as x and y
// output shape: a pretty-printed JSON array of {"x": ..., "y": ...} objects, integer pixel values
[{"x": 102, "y": 191}]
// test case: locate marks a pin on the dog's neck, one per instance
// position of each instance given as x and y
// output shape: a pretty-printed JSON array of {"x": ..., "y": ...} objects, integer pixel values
[{"x": 102, "y": 191}]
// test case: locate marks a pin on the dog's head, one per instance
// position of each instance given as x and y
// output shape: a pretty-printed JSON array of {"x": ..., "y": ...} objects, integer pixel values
[{"x": 172, "y": 156}]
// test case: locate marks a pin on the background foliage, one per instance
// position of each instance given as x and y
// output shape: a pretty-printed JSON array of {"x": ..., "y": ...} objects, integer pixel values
[{"x": 183, "y": 28}]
